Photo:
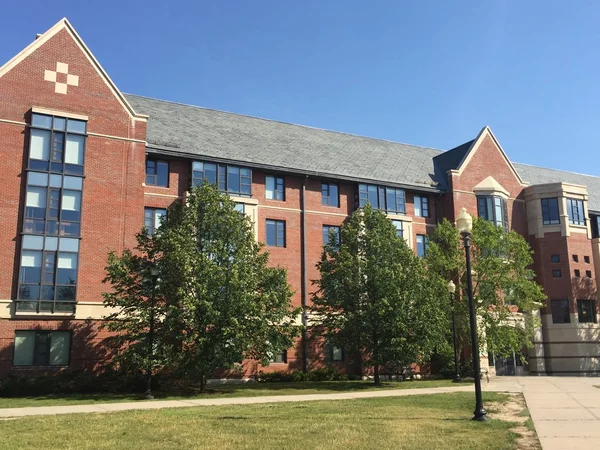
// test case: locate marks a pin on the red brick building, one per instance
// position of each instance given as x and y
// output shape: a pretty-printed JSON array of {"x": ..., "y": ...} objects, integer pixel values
[{"x": 85, "y": 167}]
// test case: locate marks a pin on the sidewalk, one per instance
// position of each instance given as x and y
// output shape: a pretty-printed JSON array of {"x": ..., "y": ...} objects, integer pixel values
[
  {"x": 565, "y": 410},
  {"x": 158, "y": 404}
]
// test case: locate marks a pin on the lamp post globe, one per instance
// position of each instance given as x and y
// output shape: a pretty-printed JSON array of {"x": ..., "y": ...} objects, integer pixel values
[
  {"x": 464, "y": 222},
  {"x": 451, "y": 287}
]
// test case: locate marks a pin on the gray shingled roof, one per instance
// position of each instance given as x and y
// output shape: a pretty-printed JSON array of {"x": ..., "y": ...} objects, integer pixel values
[
  {"x": 446, "y": 161},
  {"x": 196, "y": 131},
  {"x": 540, "y": 175},
  {"x": 217, "y": 134}
]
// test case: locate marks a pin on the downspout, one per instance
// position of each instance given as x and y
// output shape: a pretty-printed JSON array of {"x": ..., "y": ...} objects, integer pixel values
[{"x": 303, "y": 277}]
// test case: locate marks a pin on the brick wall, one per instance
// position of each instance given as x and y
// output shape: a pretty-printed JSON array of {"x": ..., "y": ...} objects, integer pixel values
[{"x": 112, "y": 200}]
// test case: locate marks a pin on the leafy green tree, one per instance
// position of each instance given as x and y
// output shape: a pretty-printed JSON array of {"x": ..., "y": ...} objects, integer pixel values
[
  {"x": 504, "y": 289},
  {"x": 137, "y": 302},
  {"x": 220, "y": 302},
  {"x": 374, "y": 297}
]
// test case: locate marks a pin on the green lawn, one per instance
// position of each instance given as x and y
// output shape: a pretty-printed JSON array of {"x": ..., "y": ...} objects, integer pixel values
[
  {"x": 224, "y": 391},
  {"x": 439, "y": 421}
]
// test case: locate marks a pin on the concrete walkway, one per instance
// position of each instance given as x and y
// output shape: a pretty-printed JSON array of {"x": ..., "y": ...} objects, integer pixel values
[
  {"x": 565, "y": 410},
  {"x": 158, "y": 404}
]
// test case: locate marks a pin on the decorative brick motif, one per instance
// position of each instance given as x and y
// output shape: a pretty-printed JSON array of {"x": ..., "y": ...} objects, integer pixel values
[{"x": 68, "y": 79}]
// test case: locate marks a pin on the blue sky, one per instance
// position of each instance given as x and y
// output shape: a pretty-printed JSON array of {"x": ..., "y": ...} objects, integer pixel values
[{"x": 429, "y": 73}]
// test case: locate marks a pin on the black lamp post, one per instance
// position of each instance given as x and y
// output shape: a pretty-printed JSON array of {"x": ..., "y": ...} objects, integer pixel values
[
  {"x": 154, "y": 275},
  {"x": 464, "y": 223},
  {"x": 451, "y": 290}
]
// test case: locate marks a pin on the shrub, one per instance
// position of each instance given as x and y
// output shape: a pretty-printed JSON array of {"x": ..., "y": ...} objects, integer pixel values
[
  {"x": 322, "y": 374},
  {"x": 12, "y": 385}
]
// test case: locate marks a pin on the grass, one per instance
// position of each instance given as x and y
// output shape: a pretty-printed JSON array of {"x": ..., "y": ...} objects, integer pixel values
[
  {"x": 436, "y": 421},
  {"x": 224, "y": 391}
]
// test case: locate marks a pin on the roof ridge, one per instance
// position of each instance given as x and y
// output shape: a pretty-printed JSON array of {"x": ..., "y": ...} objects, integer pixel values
[{"x": 286, "y": 123}]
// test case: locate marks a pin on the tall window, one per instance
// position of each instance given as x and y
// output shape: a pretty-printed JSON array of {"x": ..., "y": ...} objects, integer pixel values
[
  {"x": 42, "y": 348},
  {"x": 421, "y": 245},
  {"x": 494, "y": 209},
  {"x": 575, "y": 211},
  {"x": 330, "y": 195},
  {"x": 560, "y": 311},
  {"x": 595, "y": 226},
  {"x": 586, "y": 311},
  {"x": 275, "y": 233},
  {"x": 52, "y": 219},
  {"x": 550, "y": 214},
  {"x": 384, "y": 198},
  {"x": 329, "y": 232},
  {"x": 230, "y": 179},
  {"x": 274, "y": 188},
  {"x": 152, "y": 218},
  {"x": 421, "y": 206},
  {"x": 399, "y": 227},
  {"x": 157, "y": 173}
]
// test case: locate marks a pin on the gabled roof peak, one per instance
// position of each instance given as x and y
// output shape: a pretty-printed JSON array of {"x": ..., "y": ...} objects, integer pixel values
[{"x": 41, "y": 39}]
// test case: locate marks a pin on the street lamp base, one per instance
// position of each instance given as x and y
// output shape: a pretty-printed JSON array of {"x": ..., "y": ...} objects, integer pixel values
[{"x": 480, "y": 416}]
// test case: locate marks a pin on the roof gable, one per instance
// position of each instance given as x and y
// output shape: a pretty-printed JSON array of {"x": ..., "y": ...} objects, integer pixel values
[
  {"x": 50, "y": 75},
  {"x": 486, "y": 132}
]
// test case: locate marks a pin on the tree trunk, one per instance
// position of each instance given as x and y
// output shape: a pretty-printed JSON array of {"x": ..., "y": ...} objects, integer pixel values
[
  {"x": 376, "y": 373},
  {"x": 202, "y": 383}
]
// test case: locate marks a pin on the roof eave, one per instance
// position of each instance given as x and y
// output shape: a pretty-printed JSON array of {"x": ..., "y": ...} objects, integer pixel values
[{"x": 177, "y": 152}]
